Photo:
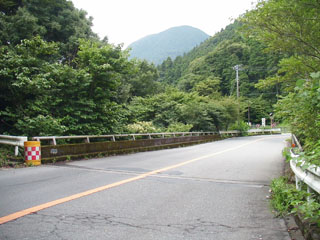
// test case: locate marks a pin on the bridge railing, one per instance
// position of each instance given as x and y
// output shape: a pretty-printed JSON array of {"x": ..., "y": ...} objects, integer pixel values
[
  {"x": 272, "y": 130},
  {"x": 309, "y": 176},
  {"x": 114, "y": 137},
  {"x": 17, "y": 141}
]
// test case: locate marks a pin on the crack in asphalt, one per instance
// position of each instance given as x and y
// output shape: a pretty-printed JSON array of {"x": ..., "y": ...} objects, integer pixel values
[{"x": 59, "y": 222}]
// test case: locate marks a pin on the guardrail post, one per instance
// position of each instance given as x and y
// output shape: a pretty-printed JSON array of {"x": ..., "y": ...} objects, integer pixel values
[
  {"x": 16, "y": 150},
  {"x": 298, "y": 183},
  {"x": 53, "y": 141},
  {"x": 309, "y": 190}
]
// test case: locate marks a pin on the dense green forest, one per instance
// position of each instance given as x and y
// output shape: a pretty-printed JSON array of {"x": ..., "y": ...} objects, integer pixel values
[
  {"x": 58, "y": 78},
  {"x": 209, "y": 71}
]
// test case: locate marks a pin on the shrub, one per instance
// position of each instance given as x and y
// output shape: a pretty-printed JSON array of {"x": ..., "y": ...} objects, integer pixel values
[
  {"x": 242, "y": 126},
  {"x": 142, "y": 127},
  {"x": 286, "y": 199},
  {"x": 179, "y": 127}
]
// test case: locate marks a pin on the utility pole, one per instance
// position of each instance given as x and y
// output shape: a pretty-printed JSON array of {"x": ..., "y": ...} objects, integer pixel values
[{"x": 237, "y": 68}]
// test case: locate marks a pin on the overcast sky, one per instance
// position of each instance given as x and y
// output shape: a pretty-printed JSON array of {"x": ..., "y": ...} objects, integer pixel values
[{"x": 125, "y": 21}]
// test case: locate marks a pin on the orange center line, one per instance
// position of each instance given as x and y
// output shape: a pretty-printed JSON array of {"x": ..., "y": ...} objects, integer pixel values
[{"x": 40, "y": 207}]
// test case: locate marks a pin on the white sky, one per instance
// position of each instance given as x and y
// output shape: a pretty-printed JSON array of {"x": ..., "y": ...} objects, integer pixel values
[{"x": 125, "y": 21}]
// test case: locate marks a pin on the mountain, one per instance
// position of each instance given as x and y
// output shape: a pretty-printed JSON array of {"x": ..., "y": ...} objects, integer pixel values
[
  {"x": 212, "y": 64},
  {"x": 170, "y": 43}
]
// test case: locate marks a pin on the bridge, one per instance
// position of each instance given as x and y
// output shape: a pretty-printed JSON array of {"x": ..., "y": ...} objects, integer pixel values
[{"x": 214, "y": 190}]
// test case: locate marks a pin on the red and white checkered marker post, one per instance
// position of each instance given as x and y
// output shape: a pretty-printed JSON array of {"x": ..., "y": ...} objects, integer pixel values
[{"x": 32, "y": 152}]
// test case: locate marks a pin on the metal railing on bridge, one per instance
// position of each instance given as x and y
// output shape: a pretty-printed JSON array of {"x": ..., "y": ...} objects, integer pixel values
[
  {"x": 309, "y": 176},
  {"x": 114, "y": 137},
  {"x": 16, "y": 141}
]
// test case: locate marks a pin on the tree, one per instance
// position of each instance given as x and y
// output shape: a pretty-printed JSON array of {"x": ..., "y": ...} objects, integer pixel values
[
  {"x": 37, "y": 89},
  {"x": 288, "y": 26},
  {"x": 26, "y": 87},
  {"x": 209, "y": 87},
  {"x": 143, "y": 80},
  {"x": 301, "y": 108},
  {"x": 292, "y": 28},
  {"x": 57, "y": 21}
]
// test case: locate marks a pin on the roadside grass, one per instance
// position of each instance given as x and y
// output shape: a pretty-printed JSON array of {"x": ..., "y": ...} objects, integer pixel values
[
  {"x": 286, "y": 200},
  {"x": 7, "y": 158}
]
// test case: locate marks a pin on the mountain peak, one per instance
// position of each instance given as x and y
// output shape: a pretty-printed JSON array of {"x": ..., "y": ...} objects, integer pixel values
[{"x": 172, "y": 42}]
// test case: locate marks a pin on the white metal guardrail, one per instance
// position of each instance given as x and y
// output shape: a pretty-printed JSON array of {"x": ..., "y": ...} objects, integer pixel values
[
  {"x": 233, "y": 132},
  {"x": 273, "y": 130},
  {"x": 310, "y": 176},
  {"x": 254, "y": 131},
  {"x": 113, "y": 137},
  {"x": 17, "y": 141}
]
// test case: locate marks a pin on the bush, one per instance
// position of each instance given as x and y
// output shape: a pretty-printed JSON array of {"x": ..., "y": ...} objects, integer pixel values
[
  {"x": 242, "y": 126},
  {"x": 142, "y": 127},
  {"x": 179, "y": 127},
  {"x": 286, "y": 199}
]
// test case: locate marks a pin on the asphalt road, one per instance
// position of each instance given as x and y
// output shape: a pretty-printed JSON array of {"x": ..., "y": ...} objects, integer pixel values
[{"x": 210, "y": 191}]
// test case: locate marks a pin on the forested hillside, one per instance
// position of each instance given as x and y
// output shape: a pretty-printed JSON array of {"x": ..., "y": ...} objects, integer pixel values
[
  {"x": 209, "y": 70},
  {"x": 172, "y": 42}
]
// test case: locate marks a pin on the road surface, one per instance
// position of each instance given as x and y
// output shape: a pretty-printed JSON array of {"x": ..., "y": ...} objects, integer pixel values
[{"x": 215, "y": 190}]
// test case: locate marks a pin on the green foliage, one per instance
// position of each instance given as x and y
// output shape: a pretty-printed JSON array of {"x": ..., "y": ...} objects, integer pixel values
[
  {"x": 5, "y": 152},
  {"x": 241, "y": 126},
  {"x": 208, "y": 70},
  {"x": 142, "y": 127},
  {"x": 256, "y": 108},
  {"x": 179, "y": 127},
  {"x": 35, "y": 88},
  {"x": 143, "y": 80},
  {"x": 286, "y": 199},
  {"x": 162, "y": 109},
  {"x": 309, "y": 157},
  {"x": 287, "y": 26},
  {"x": 216, "y": 57},
  {"x": 208, "y": 87},
  {"x": 190, "y": 109},
  {"x": 56, "y": 21},
  {"x": 57, "y": 78},
  {"x": 301, "y": 109},
  {"x": 291, "y": 28},
  {"x": 284, "y": 196}
]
